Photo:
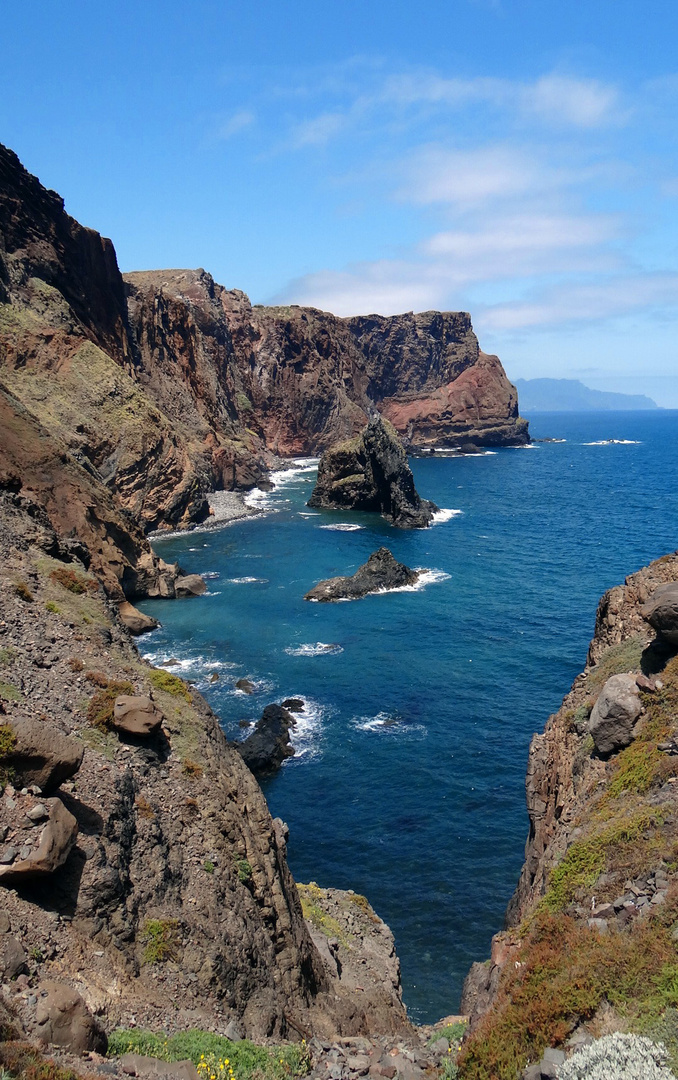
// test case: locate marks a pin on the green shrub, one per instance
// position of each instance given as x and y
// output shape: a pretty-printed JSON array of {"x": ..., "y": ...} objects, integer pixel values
[
  {"x": 215, "y": 1054},
  {"x": 170, "y": 684},
  {"x": 162, "y": 940},
  {"x": 244, "y": 869}
]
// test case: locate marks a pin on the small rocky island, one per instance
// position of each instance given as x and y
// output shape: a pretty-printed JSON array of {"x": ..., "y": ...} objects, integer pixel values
[
  {"x": 381, "y": 571},
  {"x": 370, "y": 472}
]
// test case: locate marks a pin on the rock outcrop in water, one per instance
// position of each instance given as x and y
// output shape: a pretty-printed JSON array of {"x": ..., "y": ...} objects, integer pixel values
[
  {"x": 269, "y": 744},
  {"x": 598, "y": 888},
  {"x": 380, "y": 573},
  {"x": 370, "y": 472}
]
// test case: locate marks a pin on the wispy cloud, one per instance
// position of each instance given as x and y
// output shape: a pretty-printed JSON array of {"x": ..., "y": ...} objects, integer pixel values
[{"x": 236, "y": 123}]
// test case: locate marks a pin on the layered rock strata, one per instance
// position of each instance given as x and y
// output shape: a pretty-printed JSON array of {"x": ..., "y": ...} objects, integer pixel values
[
  {"x": 371, "y": 473},
  {"x": 165, "y": 386}
]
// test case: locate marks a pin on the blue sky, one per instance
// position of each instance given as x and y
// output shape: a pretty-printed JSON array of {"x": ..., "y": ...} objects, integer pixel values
[{"x": 513, "y": 158}]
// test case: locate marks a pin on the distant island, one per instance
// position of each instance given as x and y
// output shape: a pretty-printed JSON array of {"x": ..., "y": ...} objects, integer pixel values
[{"x": 570, "y": 395}]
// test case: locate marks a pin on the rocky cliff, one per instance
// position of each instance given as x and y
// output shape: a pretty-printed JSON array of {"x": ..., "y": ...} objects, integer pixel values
[
  {"x": 139, "y": 863},
  {"x": 166, "y": 386},
  {"x": 591, "y": 945}
]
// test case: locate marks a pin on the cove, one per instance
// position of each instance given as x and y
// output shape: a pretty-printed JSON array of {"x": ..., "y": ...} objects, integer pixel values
[{"x": 408, "y": 784}]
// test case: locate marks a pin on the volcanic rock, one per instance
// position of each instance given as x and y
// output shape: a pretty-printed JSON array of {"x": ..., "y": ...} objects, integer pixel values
[
  {"x": 614, "y": 714},
  {"x": 381, "y": 572},
  {"x": 136, "y": 621},
  {"x": 269, "y": 744},
  {"x": 42, "y": 754},
  {"x": 371, "y": 473},
  {"x": 661, "y": 611},
  {"x": 136, "y": 715},
  {"x": 64, "y": 1020},
  {"x": 189, "y": 585},
  {"x": 36, "y": 853}
]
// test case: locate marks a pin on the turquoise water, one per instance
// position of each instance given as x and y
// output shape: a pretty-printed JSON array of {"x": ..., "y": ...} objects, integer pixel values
[{"x": 409, "y": 780}]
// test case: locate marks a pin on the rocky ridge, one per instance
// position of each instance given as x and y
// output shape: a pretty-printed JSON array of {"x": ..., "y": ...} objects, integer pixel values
[
  {"x": 164, "y": 386},
  {"x": 371, "y": 473}
]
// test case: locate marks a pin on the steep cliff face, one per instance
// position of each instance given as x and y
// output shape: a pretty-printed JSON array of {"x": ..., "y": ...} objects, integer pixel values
[
  {"x": 597, "y": 900},
  {"x": 167, "y": 386},
  {"x": 175, "y": 905}
]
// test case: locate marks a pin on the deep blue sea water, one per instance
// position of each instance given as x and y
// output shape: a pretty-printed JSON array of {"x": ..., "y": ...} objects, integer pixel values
[{"x": 409, "y": 780}]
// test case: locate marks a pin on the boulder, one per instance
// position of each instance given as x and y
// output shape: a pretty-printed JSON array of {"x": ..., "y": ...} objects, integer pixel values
[
  {"x": 136, "y": 622},
  {"x": 190, "y": 585},
  {"x": 381, "y": 571},
  {"x": 42, "y": 754},
  {"x": 36, "y": 853},
  {"x": 614, "y": 714},
  {"x": 370, "y": 472},
  {"x": 245, "y": 685},
  {"x": 661, "y": 611},
  {"x": 269, "y": 744},
  {"x": 13, "y": 957},
  {"x": 136, "y": 715},
  {"x": 139, "y": 1065},
  {"x": 63, "y": 1019}
]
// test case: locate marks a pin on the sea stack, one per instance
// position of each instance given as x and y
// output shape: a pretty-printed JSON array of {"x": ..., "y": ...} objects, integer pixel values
[
  {"x": 381, "y": 572},
  {"x": 370, "y": 472}
]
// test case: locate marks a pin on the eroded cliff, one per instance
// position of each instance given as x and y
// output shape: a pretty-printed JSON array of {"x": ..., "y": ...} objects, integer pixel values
[{"x": 591, "y": 944}]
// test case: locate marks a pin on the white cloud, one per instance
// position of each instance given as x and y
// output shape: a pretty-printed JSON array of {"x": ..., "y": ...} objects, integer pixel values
[
  {"x": 594, "y": 301},
  {"x": 470, "y": 177},
  {"x": 236, "y": 123},
  {"x": 319, "y": 130},
  {"x": 584, "y": 103}
]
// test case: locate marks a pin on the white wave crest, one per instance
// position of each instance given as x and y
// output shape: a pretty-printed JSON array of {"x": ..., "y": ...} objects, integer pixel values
[
  {"x": 318, "y": 648},
  {"x": 614, "y": 442},
  {"x": 307, "y": 729},
  {"x": 426, "y": 577},
  {"x": 245, "y": 580},
  {"x": 386, "y": 722},
  {"x": 342, "y": 526},
  {"x": 280, "y": 478},
  {"x": 441, "y": 516}
]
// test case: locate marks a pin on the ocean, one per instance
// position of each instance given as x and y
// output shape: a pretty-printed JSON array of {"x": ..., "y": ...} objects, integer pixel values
[{"x": 408, "y": 781}]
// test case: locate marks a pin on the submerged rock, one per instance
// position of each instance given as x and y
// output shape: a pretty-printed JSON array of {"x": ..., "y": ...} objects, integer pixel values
[
  {"x": 381, "y": 571},
  {"x": 370, "y": 472},
  {"x": 269, "y": 744}
]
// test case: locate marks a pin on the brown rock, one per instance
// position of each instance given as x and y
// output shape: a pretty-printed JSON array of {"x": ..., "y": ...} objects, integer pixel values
[
  {"x": 13, "y": 957},
  {"x": 381, "y": 572},
  {"x": 55, "y": 843},
  {"x": 136, "y": 622},
  {"x": 136, "y": 715},
  {"x": 245, "y": 685},
  {"x": 189, "y": 585},
  {"x": 64, "y": 1020},
  {"x": 43, "y": 755},
  {"x": 139, "y": 1065}
]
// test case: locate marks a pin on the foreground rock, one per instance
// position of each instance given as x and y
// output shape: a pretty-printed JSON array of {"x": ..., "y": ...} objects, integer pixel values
[
  {"x": 136, "y": 715},
  {"x": 63, "y": 1019},
  {"x": 371, "y": 473},
  {"x": 598, "y": 886},
  {"x": 39, "y": 836},
  {"x": 381, "y": 572},
  {"x": 41, "y": 754},
  {"x": 661, "y": 611},
  {"x": 136, "y": 621},
  {"x": 614, "y": 714},
  {"x": 269, "y": 744}
]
